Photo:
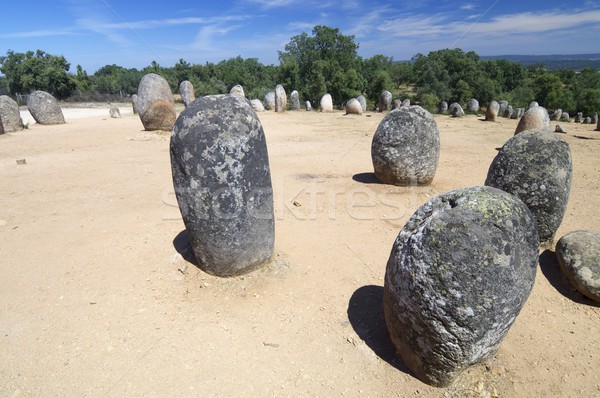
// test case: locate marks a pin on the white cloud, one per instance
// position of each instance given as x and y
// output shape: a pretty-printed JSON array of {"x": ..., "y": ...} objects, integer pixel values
[
  {"x": 37, "y": 33},
  {"x": 468, "y": 7}
]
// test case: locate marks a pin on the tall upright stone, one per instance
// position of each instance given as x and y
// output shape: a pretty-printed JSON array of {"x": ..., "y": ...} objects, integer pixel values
[
  {"x": 270, "y": 100},
  {"x": 579, "y": 117},
  {"x": 222, "y": 182},
  {"x": 492, "y": 111},
  {"x": 152, "y": 87},
  {"x": 363, "y": 102},
  {"x": 295, "y": 100},
  {"x": 326, "y": 104},
  {"x": 385, "y": 101},
  {"x": 134, "y": 104},
  {"x": 10, "y": 117},
  {"x": 308, "y": 106},
  {"x": 473, "y": 106},
  {"x": 353, "y": 107},
  {"x": 186, "y": 90},
  {"x": 502, "y": 104},
  {"x": 280, "y": 99},
  {"x": 535, "y": 118},
  {"x": 44, "y": 108},
  {"x": 556, "y": 115},
  {"x": 443, "y": 107}
]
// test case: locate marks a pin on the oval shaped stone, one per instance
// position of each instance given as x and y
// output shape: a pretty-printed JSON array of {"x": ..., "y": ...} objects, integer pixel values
[
  {"x": 222, "y": 183},
  {"x": 10, "y": 117},
  {"x": 578, "y": 254},
  {"x": 457, "y": 277},
  {"x": 44, "y": 108}
]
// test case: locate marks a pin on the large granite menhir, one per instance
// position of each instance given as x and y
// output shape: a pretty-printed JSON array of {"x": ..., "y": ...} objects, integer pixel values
[
  {"x": 44, "y": 108},
  {"x": 222, "y": 182},
  {"x": 10, "y": 117},
  {"x": 457, "y": 277}
]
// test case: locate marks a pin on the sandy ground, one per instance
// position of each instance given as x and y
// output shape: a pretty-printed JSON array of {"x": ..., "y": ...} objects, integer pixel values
[{"x": 98, "y": 298}]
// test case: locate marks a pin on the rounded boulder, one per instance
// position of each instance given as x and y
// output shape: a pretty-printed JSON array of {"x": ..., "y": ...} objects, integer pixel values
[
  {"x": 10, "y": 117},
  {"x": 44, "y": 108},
  {"x": 578, "y": 254},
  {"x": 535, "y": 118}
]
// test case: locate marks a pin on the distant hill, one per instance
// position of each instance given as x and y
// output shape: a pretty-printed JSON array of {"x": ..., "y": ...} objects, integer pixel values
[{"x": 554, "y": 61}]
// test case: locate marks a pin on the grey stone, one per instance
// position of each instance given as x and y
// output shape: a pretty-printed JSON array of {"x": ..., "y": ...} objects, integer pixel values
[
  {"x": 406, "y": 103},
  {"x": 533, "y": 104},
  {"x": 257, "y": 105},
  {"x": 473, "y": 106},
  {"x": 114, "y": 111},
  {"x": 564, "y": 117},
  {"x": 270, "y": 101},
  {"x": 587, "y": 120},
  {"x": 280, "y": 99},
  {"x": 10, "y": 117},
  {"x": 598, "y": 125},
  {"x": 443, "y": 107},
  {"x": 579, "y": 117},
  {"x": 536, "y": 167},
  {"x": 503, "y": 104},
  {"x": 515, "y": 114},
  {"x": 492, "y": 111},
  {"x": 308, "y": 106},
  {"x": 508, "y": 112},
  {"x": 160, "y": 115},
  {"x": 458, "y": 275},
  {"x": 152, "y": 87},
  {"x": 406, "y": 147},
  {"x": 326, "y": 104},
  {"x": 535, "y": 118},
  {"x": 578, "y": 254},
  {"x": 353, "y": 107},
  {"x": 385, "y": 101},
  {"x": 396, "y": 104},
  {"x": 595, "y": 118},
  {"x": 44, "y": 108},
  {"x": 456, "y": 110},
  {"x": 556, "y": 115},
  {"x": 134, "y": 104},
  {"x": 295, "y": 101},
  {"x": 186, "y": 90},
  {"x": 363, "y": 102},
  {"x": 559, "y": 129},
  {"x": 223, "y": 185},
  {"x": 521, "y": 112},
  {"x": 237, "y": 90}
]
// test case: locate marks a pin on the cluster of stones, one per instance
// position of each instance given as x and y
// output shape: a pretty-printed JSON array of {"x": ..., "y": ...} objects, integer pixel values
[{"x": 155, "y": 104}]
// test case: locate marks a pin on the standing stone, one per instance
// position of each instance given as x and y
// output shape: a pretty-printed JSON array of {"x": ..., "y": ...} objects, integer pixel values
[
  {"x": 536, "y": 166},
  {"x": 565, "y": 117},
  {"x": 186, "y": 90},
  {"x": 406, "y": 103},
  {"x": 508, "y": 112},
  {"x": 533, "y": 104},
  {"x": 10, "y": 117},
  {"x": 515, "y": 114},
  {"x": 587, "y": 120},
  {"x": 595, "y": 118},
  {"x": 44, "y": 108},
  {"x": 579, "y": 117},
  {"x": 114, "y": 111},
  {"x": 134, "y": 104},
  {"x": 598, "y": 125},
  {"x": 153, "y": 87},
  {"x": 363, "y": 102},
  {"x": 160, "y": 115},
  {"x": 456, "y": 110},
  {"x": 353, "y": 107},
  {"x": 385, "y": 101},
  {"x": 458, "y": 275},
  {"x": 535, "y": 118},
  {"x": 237, "y": 90},
  {"x": 257, "y": 105},
  {"x": 270, "y": 100},
  {"x": 473, "y": 106},
  {"x": 396, "y": 104},
  {"x": 559, "y": 129},
  {"x": 521, "y": 112},
  {"x": 222, "y": 183},
  {"x": 406, "y": 147},
  {"x": 503, "y": 104},
  {"x": 556, "y": 115},
  {"x": 492, "y": 111},
  {"x": 326, "y": 103},
  {"x": 280, "y": 99},
  {"x": 578, "y": 255},
  {"x": 308, "y": 106},
  {"x": 443, "y": 107},
  {"x": 295, "y": 100}
]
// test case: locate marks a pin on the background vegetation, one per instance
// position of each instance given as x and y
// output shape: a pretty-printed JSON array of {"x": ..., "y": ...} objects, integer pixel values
[{"x": 325, "y": 61}]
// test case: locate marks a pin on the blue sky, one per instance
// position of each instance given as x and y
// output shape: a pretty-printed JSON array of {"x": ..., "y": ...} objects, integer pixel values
[{"x": 94, "y": 33}]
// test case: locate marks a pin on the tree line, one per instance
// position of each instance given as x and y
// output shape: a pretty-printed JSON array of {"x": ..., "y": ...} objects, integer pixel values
[{"x": 324, "y": 62}]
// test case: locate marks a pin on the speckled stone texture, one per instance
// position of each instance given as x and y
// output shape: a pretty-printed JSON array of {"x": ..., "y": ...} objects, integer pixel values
[
  {"x": 222, "y": 183},
  {"x": 536, "y": 166},
  {"x": 295, "y": 101},
  {"x": 363, "y": 102},
  {"x": 385, "y": 101},
  {"x": 492, "y": 111},
  {"x": 473, "y": 106},
  {"x": 535, "y": 118},
  {"x": 10, "y": 117},
  {"x": 503, "y": 104},
  {"x": 160, "y": 115},
  {"x": 457, "y": 277},
  {"x": 237, "y": 90},
  {"x": 44, "y": 108},
  {"x": 456, "y": 110},
  {"x": 280, "y": 99},
  {"x": 257, "y": 105},
  {"x": 578, "y": 254},
  {"x": 270, "y": 100},
  {"x": 443, "y": 107},
  {"x": 186, "y": 90},
  {"x": 406, "y": 147},
  {"x": 353, "y": 107},
  {"x": 152, "y": 87}
]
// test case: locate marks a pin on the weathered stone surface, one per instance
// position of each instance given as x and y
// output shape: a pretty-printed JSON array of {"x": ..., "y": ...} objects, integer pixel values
[
  {"x": 385, "y": 101},
  {"x": 456, "y": 110},
  {"x": 280, "y": 99},
  {"x": 396, "y": 104},
  {"x": 10, "y": 117},
  {"x": 363, "y": 102},
  {"x": 556, "y": 115},
  {"x": 237, "y": 90},
  {"x": 508, "y": 112},
  {"x": 406, "y": 147},
  {"x": 515, "y": 114},
  {"x": 270, "y": 100},
  {"x": 578, "y": 254},
  {"x": 295, "y": 100},
  {"x": 443, "y": 107},
  {"x": 257, "y": 105},
  {"x": 186, "y": 90},
  {"x": 579, "y": 117},
  {"x": 595, "y": 118},
  {"x": 587, "y": 120},
  {"x": 503, "y": 104},
  {"x": 114, "y": 111},
  {"x": 473, "y": 106},
  {"x": 521, "y": 112},
  {"x": 533, "y": 104},
  {"x": 559, "y": 129},
  {"x": 152, "y": 87},
  {"x": 134, "y": 104},
  {"x": 160, "y": 115},
  {"x": 308, "y": 106},
  {"x": 326, "y": 103},
  {"x": 458, "y": 275},
  {"x": 406, "y": 103},
  {"x": 536, "y": 167},
  {"x": 222, "y": 183},
  {"x": 492, "y": 111},
  {"x": 565, "y": 117},
  {"x": 535, "y": 118},
  {"x": 44, "y": 108},
  {"x": 353, "y": 107}
]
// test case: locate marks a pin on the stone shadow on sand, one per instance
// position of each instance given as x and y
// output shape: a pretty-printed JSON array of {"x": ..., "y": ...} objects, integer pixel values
[
  {"x": 551, "y": 270},
  {"x": 365, "y": 313},
  {"x": 181, "y": 243},
  {"x": 366, "y": 178}
]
